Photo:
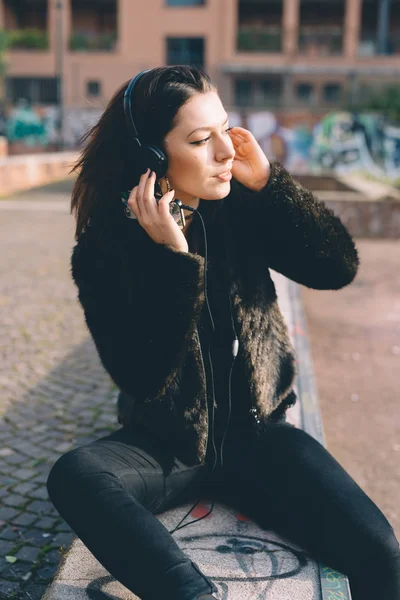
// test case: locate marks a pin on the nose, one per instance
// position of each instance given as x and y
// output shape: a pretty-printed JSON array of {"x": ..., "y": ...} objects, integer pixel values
[{"x": 225, "y": 150}]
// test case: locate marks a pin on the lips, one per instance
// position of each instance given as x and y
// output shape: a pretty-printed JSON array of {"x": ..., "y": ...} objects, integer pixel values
[
  {"x": 225, "y": 176},
  {"x": 223, "y": 173}
]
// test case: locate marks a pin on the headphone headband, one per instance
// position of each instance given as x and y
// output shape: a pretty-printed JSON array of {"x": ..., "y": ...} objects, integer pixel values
[
  {"x": 150, "y": 155},
  {"x": 128, "y": 107}
]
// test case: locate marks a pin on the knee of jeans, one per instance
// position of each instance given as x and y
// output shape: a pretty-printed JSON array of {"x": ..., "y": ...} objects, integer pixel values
[
  {"x": 389, "y": 545},
  {"x": 382, "y": 553},
  {"x": 67, "y": 471}
]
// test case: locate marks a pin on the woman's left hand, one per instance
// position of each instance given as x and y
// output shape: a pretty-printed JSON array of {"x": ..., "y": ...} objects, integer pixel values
[{"x": 250, "y": 165}]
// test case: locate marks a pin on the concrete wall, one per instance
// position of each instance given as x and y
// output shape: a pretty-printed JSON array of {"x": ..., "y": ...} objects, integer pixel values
[{"x": 18, "y": 173}]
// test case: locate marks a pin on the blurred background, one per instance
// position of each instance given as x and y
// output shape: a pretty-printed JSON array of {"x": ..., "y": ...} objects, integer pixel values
[{"x": 318, "y": 84}]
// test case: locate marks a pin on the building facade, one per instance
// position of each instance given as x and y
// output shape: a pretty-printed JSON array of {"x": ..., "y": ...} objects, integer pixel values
[{"x": 286, "y": 54}]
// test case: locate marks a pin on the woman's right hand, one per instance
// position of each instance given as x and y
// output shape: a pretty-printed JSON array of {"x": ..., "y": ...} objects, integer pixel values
[{"x": 155, "y": 218}]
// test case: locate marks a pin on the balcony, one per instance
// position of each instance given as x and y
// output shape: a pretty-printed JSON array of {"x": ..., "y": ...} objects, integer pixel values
[
  {"x": 27, "y": 39},
  {"x": 369, "y": 45},
  {"x": 93, "y": 26},
  {"x": 253, "y": 38},
  {"x": 93, "y": 42},
  {"x": 317, "y": 41},
  {"x": 25, "y": 24}
]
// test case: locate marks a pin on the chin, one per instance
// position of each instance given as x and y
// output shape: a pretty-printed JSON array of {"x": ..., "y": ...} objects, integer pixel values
[{"x": 221, "y": 192}]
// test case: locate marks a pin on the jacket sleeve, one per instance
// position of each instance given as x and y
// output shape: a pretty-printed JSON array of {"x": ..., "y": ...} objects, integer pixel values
[
  {"x": 141, "y": 303},
  {"x": 298, "y": 234}
]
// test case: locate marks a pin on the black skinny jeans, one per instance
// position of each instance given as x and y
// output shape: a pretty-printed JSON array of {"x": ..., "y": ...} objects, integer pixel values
[{"x": 109, "y": 490}]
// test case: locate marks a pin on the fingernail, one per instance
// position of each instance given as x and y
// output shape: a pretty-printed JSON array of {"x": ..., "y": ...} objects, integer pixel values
[{"x": 145, "y": 171}]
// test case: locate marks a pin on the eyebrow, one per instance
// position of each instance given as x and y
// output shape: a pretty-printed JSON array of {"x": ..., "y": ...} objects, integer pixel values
[{"x": 208, "y": 128}]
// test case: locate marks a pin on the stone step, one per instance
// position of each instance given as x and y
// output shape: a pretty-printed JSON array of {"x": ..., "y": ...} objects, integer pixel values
[{"x": 244, "y": 561}]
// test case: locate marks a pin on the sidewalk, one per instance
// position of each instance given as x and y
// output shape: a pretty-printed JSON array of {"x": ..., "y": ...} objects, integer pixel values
[{"x": 54, "y": 394}]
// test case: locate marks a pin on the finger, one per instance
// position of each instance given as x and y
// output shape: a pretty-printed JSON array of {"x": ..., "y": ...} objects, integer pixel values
[
  {"x": 240, "y": 133},
  {"x": 133, "y": 203},
  {"x": 141, "y": 191},
  {"x": 163, "y": 205},
  {"x": 149, "y": 201}
]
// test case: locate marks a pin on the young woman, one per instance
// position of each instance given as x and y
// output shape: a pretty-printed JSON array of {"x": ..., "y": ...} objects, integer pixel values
[{"x": 187, "y": 324}]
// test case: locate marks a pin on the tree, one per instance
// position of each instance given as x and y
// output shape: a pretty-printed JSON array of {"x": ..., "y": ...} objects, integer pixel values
[{"x": 385, "y": 99}]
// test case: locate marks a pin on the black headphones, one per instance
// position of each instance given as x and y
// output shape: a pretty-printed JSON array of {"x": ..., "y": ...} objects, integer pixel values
[{"x": 150, "y": 156}]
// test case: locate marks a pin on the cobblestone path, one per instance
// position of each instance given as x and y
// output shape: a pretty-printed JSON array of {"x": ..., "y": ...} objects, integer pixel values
[{"x": 54, "y": 393}]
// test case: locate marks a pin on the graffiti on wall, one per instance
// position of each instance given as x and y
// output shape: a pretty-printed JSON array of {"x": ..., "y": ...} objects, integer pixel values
[
  {"x": 342, "y": 141},
  {"x": 25, "y": 125},
  {"x": 30, "y": 128}
]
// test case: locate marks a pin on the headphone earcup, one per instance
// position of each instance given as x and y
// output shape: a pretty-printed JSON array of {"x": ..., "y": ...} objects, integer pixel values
[{"x": 155, "y": 159}]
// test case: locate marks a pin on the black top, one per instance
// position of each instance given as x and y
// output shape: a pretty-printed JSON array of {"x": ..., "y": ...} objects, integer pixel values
[{"x": 218, "y": 345}]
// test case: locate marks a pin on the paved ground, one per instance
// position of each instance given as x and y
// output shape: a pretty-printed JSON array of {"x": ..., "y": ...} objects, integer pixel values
[
  {"x": 54, "y": 394},
  {"x": 355, "y": 345}
]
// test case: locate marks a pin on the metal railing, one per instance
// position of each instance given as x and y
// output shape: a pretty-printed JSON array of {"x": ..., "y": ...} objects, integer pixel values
[
  {"x": 259, "y": 39},
  {"x": 316, "y": 41},
  {"x": 27, "y": 39},
  {"x": 368, "y": 45},
  {"x": 93, "y": 42}
]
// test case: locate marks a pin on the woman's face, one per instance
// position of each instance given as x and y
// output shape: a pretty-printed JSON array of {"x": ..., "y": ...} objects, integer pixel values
[{"x": 199, "y": 148}]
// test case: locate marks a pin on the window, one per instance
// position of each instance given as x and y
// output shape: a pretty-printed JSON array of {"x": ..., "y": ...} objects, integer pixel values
[
  {"x": 304, "y": 91},
  {"x": 185, "y": 51},
  {"x": 257, "y": 91},
  {"x": 37, "y": 90},
  {"x": 93, "y": 88},
  {"x": 332, "y": 92},
  {"x": 243, "y": 92},
  {"x": 270, "y": 90},
  {"x": 185, "y": 2}
]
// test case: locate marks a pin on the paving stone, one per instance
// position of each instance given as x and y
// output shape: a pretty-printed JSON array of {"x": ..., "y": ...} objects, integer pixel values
[
  {"x": 34, "y": 591},
  {"x": 63, "y": 539},
  {"x": 9, "y": 480},
  {"x": 10, "y": 533},
  {"x": 41, "y": 493},
  {"x": 63, "y": 527},
  {"x": 25, "y": 473},
  {"x": 28, "y": 553},
  {"x": 40, "y": 428},
  {"x": 25, "y": 488},
  {"x": 8, "y": 589},
  {"x": 7, "y": 513},
  {"x": 4, "y": 564},
  {"x": 15, "y": 459},
  {"x": 23, "y": 447},
  {"x": 6, "y": 451},
  {"x": 41, "y": 507},
  {"x": 48, "y": 523},
  {"x": 14, "y": 500},
  {"x": 34, "y": 536},
  {"x": 25, "y": 519},
  {"x": 53, "y": 556},
  {"x": 42, "y": 477},
  {"x": 17, "y": 570},
  {"x": 64, "y": 447},
  {"x": 46, "y": 572},
  {"x": 6, "y": 547}
]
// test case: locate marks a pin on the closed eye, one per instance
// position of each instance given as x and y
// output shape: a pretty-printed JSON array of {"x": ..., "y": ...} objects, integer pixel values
[{"x": 205, "y": 140}]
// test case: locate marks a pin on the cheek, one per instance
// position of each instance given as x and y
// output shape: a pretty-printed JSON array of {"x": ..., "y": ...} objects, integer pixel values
[{"x": 189, "y": 167}]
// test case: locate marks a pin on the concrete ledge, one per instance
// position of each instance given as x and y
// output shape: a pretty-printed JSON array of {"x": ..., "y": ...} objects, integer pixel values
[
  {"x": 28, "y": 171},
  {"x": 255, "y": 563}
]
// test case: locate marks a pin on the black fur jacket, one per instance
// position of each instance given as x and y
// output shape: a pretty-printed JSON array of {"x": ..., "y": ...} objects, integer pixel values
[{"x": 142, "y": 302}]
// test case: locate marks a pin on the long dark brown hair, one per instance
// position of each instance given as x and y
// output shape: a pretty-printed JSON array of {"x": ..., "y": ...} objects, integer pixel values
[{"x": 107, "y": 165}]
